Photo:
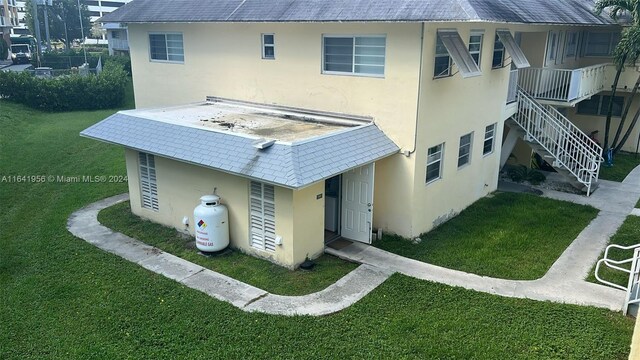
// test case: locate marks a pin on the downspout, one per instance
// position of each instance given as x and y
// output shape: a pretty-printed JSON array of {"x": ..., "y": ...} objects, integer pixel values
[{"x": 408, "y": 153}]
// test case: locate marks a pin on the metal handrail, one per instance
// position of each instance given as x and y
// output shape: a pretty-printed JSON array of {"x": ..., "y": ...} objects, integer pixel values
[
  {"x": 633, "y": 284},
  {"x": 563, "y": 85},
  {"x": 571, "y": 148}
]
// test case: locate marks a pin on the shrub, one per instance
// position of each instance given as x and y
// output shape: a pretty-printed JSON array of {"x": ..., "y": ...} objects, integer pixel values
[
  {"x": 75, "y": 58},
  {"x": 521, "y": 173},
  {"x": 69, "y": 92}
]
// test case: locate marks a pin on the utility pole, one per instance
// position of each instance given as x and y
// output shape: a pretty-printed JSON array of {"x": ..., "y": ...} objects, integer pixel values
[
  {"x": 46, "y": 3},
  {"x": 82, "y": 31},
  {"x": 36, "y": 25}
]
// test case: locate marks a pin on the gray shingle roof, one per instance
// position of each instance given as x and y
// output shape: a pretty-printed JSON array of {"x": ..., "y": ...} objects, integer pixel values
[
  {"x": 294, "y": 165},
  {"x": 504, "y": 11}
]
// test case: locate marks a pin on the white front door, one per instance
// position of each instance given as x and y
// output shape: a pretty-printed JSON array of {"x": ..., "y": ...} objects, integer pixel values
[{"x": 357, "y": 204}]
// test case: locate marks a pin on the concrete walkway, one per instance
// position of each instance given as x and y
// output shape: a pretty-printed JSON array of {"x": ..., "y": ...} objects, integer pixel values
[
  {"x": 345, "y": 292},
  {"x": 564, "y": 282}
]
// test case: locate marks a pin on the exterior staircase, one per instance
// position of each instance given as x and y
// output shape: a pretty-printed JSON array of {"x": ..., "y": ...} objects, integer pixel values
[{"x": 557, "y": 140}]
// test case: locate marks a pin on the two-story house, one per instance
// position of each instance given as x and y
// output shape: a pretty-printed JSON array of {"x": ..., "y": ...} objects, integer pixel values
[{"x": 317, "y": 119}]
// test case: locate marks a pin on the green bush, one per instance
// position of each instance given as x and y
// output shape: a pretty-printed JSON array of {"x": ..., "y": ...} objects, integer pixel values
[
  {"x": 69, "y": 92},
  {"x": 75, "y": 58},
  {"x": 521, "y": 173}
]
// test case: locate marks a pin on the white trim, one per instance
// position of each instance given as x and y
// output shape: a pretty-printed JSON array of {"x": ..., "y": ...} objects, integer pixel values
[
  {"x": 492, "y": 138},
  {"x": 440, "y": 160},
  {"x": 264, "y": 46},
  {"x": 148, "y": 183},
  {"x": 353, "y": 62},
  {"x": 262, "y": 216},
  {"x": 469, "y": 151},
  {"x": 479, "y": 52},
  {"x": 166, "y": 46}
]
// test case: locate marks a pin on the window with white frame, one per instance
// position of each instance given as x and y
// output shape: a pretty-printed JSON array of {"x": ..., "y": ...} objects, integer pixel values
[
  {"x": 268, "y": 46},
  {"x": 572, "y": 44},
  {"x": 464, "y": 150},
  {"x": 498, "y": 54},
  {"x": 475, "y": 46},
  {"x": 443, "y": 60},
  {"x": 166, "y": 47},
  {"x": 359, "y": 55},
  {"x": 552, "y": 47},
  {"x": 262, "y": 216},
  {"x": 148, "y": 181},
  {"x": 489, "y": 139},
  {"x": 434, "y": 163},
  {"x": 600, "y": 43}
]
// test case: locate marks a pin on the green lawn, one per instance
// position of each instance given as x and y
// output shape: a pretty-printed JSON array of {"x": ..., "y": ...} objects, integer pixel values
[
  {"x": 509, "y": 236},
  {"x": 62, "y": 298},
  {"x": 623, "y": 163},
  {"x": 257, "y": 272},
  {"x": 628, "y": 234}
]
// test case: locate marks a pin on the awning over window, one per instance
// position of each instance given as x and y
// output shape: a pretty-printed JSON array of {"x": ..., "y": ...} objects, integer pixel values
[
  {"x": 459, "y": 53},
  {"x": 517, "y": 56}
]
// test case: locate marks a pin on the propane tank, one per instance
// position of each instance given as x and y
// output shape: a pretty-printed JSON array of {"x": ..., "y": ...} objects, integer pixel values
[{"x": 211, "y": 224}]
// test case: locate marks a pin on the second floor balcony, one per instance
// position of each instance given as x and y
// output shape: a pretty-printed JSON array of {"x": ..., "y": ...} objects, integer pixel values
[
  {"x": 564, "y": 87},
  {"x": 119, "y": 44}
]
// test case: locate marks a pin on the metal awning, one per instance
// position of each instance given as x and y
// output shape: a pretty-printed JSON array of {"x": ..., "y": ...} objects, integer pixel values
[
  {"x": 459, "y": 53},
  {"x": 517, "y": 56}
]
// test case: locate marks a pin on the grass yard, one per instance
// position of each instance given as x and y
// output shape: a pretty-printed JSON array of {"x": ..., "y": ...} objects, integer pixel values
[
  {"x": 508, "y": 236},
  {"x": 623, "y": 163},
  {"x": 62, "y": 298},
  {"x": 257, "y": 272},
  {"x": 628, "y": 234}
]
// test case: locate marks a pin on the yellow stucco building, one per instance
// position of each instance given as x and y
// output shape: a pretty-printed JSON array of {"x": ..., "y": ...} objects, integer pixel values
[{"x": 409, "y": 109}]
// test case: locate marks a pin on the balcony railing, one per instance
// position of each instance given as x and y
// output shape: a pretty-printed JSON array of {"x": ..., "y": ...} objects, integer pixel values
[
  {"x": 5, "y": 21},
  {"x": 563, "y": 85},
  {"x": 512, "y": 93},
  {"x": 119, "y": 44}
]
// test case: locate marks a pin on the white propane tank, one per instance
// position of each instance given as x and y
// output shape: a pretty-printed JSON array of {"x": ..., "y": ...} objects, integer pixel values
[{"x": 211, "y": 223}]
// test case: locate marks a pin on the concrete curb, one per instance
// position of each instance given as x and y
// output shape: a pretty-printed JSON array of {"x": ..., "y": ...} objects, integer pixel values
[{"x": 344, "y": 293}]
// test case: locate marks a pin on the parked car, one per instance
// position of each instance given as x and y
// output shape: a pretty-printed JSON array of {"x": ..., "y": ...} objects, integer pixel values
[
  {"x": 43, "y": 72},
  {"x": 20, "y": 54}
]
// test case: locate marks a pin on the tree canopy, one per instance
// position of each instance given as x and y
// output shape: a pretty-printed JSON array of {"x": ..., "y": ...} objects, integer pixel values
[{"x": 63, "y": 14}]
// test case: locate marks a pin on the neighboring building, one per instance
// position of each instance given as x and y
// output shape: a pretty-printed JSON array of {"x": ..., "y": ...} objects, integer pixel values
[
  {"x": 21, "y": 28},
  {"x": 8, "y": 19},
  {"x": 117, "y": 38},
  {"x": 98, "y": 9},
  {"x": 389, "y": 117}
]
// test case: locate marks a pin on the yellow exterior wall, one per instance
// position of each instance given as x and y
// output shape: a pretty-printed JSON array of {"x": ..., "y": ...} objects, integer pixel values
[
  {"x": 308, "y": 222},
  {"x": 225, "y": 60},
  {"x": 180, "y": 186},
  {"x": 450, "y": 108}
]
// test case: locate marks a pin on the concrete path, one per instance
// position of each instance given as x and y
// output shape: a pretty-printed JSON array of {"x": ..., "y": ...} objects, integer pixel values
[
  {"x": 345, "y": 292},
  {"x": 564, "y": 282}
]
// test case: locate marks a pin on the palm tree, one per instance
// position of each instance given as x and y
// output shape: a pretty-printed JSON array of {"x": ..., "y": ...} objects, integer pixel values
[{"x": 627, "y": 52}]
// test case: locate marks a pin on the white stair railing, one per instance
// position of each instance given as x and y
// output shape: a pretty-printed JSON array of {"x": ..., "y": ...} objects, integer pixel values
[
  {"x": 633, "y": 284},
  {"x": 571, "y": 149}
]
